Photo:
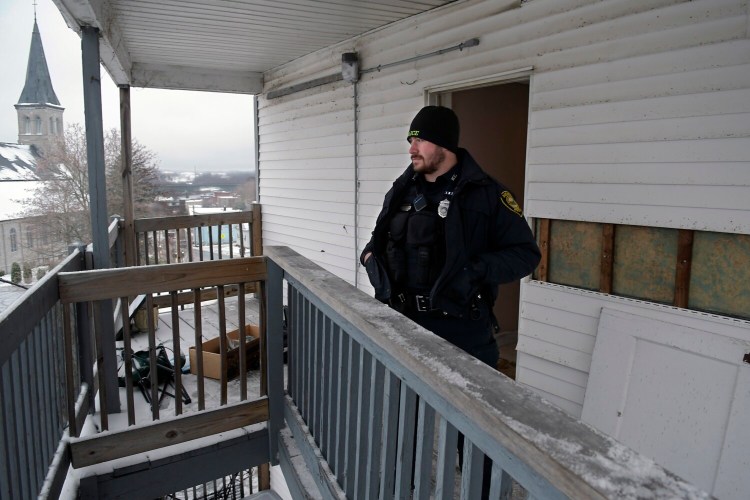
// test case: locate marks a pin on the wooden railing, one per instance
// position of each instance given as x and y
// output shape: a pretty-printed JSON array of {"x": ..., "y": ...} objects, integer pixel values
[
  {"x": 84, "y": 289},
  {"x": 368, "y": 389},
  {"x": 33, "y": 423},
  {"x": 193, "y": 238}
]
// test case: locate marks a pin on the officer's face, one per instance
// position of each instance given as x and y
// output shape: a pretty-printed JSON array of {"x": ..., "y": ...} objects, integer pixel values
[{"x": 426, "y": 157}]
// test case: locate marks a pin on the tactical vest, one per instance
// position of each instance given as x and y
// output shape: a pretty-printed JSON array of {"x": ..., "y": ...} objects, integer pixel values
[{"x": 415, "y": 253}]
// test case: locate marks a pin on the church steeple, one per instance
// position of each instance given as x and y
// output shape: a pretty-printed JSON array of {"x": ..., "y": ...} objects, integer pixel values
[{"x": 39, "y": 111}]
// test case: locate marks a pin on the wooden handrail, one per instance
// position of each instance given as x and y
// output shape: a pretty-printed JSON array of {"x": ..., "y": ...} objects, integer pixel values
[
  {"x": 187, "y": 221},
  {"x": 113, "y": 283}
]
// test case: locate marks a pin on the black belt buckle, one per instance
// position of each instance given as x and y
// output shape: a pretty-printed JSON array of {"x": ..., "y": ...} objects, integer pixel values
[{"x": 423, "y": 303}]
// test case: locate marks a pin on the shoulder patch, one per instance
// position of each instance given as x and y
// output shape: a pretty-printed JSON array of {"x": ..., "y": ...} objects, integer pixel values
[{"x": 510, "y": 203}]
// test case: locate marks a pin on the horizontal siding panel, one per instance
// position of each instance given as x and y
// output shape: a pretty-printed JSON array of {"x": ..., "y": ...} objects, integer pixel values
[
  {"x": 561, "y": 298},
  {"x": 307, "y": 103},
  {"x": 658, "y": 60},
  {"x": 689, "y": 174},
  {"x": 383, "y": 175},
  {"x": 706, "y": 150},
  {"x": 699, "y": 219},
  {"x": 325, "y": 174},
  {"x": 328, "y": 206},
  {"x": 342, "y": 271},
  {"x": 571, "y": 408},
  {"x": 320, "y": 186},
  {"x": 713, "y": 197},
  {"x": 670, "y": 129},
  {"x": 553, "y": 385},
  {"x": 689, "y": 82},
  {"x": 313, "y": 164},
  {"x": 372, "y": 199},
  {"x": 339, "y": 151},
  {"x": 590, "y": 303},
  {"x": 305, "y": 194},
  {"x": 680, "y": 106},
  {"x": 554, "y": 353},
  {"x": 579, "y": 326},
  {"x": 280, "y": 130},
  {"x": 556, "y": 335},
  {"x": 305, "y": 233},
  {"x": 387, "y": 148},
  {"x": 324, "y": 252},
  {"x": 339, "y": 219},
  {"x": 569, "y": 375},
  {"x": 308, "y": 227},
  {"x": 308, "y": 134}
]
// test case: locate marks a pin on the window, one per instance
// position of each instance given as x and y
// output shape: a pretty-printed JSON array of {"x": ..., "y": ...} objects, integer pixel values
[
  {"x": 26, "y": 125},
  {"x": 29, "y": 238},
  {"x": 37, "y": 125},
  {"x": 13, "y": 241},
  {"x": 52, "y": 125},
  {"x": 58, "y": 127}
]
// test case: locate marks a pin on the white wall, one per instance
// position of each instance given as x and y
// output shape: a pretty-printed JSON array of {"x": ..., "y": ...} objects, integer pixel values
[{"x": 639, "y": 114}]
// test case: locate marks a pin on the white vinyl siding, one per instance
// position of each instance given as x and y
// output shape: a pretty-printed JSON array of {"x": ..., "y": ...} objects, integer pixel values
[{"x": 639, "y": 114}]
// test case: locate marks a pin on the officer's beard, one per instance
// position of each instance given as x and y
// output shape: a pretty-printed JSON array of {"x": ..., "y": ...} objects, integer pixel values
[{"x": 429, "y": 165}]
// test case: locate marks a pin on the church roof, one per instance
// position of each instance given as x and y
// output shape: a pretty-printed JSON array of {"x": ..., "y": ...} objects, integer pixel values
[
  {"x": 38, "y": 88},
  {"x": 17, "y": 162}
]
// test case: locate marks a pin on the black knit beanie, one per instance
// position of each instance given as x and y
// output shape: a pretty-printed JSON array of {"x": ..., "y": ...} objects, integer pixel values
[{"x": 437, "y": 125}]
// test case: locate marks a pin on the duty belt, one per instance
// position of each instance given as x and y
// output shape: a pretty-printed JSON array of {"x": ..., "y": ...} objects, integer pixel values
[
  {"x": 423, "y": 303},
  {"x": 419, "y": 303}
]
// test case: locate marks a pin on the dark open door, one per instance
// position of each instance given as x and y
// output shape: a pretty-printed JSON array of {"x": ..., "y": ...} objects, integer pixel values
[{"x": 493, "y": 128}]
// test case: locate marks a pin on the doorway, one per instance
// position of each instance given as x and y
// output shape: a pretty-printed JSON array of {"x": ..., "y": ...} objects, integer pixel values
[{"x": 494, "y": 126}]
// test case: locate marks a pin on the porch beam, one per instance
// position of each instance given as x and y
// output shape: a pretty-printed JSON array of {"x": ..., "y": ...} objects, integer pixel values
[
  {"x": 187, "y": 78},
  {"x": 133, "y": 281},
  {"x": 117, "y": 444}
]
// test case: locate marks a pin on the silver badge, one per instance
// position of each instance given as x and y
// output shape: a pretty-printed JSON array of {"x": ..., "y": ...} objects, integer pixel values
[{"x": 443, "y": 207}]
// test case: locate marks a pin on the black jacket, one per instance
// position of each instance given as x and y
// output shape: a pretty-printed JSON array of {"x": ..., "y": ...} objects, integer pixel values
[{"x": 488, "y": 241}]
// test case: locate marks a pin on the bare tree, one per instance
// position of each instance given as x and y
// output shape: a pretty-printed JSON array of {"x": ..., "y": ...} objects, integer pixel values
[
  {"x": 145, "y": 174},
  {"x": 60, "y": 206}
]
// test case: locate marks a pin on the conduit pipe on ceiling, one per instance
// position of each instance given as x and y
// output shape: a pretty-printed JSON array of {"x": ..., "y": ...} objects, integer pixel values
[{"x": 336, "y": 77}]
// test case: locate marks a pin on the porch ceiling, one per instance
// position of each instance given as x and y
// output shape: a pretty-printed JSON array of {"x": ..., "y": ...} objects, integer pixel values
[{"x": 222, "y": 45}]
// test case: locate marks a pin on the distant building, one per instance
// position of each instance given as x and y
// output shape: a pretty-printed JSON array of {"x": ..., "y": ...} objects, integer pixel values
[
  {"x": 40, "y": 116},
  {"x": 40, "y": 123}
]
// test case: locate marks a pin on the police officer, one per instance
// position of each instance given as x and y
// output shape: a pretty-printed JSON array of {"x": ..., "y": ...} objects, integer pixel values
[{"x": 447, "y": 236}]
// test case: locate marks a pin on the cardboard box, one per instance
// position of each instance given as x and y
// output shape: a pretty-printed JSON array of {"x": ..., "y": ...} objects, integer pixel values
[{"x": 212, "y": 356}]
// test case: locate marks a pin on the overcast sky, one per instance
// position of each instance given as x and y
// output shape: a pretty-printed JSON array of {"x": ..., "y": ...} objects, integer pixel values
[{"x": 188, "y": 131}]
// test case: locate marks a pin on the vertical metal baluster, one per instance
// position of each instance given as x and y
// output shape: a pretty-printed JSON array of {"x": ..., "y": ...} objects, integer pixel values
[
  {"x": 425, "y": 436},
  {"x": 446, "y": 463}
]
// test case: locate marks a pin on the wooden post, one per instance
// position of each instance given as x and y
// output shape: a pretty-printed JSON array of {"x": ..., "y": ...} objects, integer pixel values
[
  {"x": 257, "y": 236},
  {"x": 126, "y": 146},
  {"x": 543, "y": 269},
  {"x": 92, "y": 97},
  {"x": 683, "y": 266},
  {"x": 608, "y": 258}
]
